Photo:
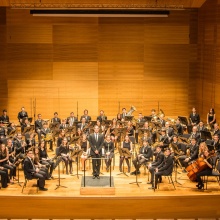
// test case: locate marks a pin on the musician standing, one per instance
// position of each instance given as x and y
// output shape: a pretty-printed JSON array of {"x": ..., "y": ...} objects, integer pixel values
[
  {"x": 96, "y": 142},
  {"x": 22, "y": 114},
  {"x": 4, "y": 118},
  {"x": 31, "y": 172},
  {"x": 194, "y": 117}
]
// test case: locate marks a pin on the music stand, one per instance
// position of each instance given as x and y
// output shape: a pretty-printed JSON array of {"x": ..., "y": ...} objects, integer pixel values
[
  {"x": 77, "y": 154},
  {"x": 54, "y": 125},
  {"x": 30, "y": 120},
  {"x": 206, "y": 135},
  {"x": 183, "y": 120},
  {"x": 27, "y": 129},
  {"x": 124, "y": 152},
  {"x": 136, "y": 174},
  {"x": 58, "y": 186},
  {"x": 129, "y": 118},
  {"x": 148, "y": 118}
]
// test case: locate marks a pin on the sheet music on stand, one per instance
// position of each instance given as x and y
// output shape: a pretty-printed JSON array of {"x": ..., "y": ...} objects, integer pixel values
[
  {"x": 54, "y": 125},
  {"x": 183, "y": 120},
  {"x": 129, "y": 118},
  {"x": 148, "y": 118},
  {"x": 27, "y": 129},
  {"x": 206, "y": 135}
]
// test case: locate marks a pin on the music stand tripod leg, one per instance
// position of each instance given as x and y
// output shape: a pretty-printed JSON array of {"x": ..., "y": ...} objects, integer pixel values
[
  {"x": 77, "y": 168},
  {"x": 58, "y": 186},
  {"x": 136, "y": 179},
  {"x": 123, "y": 172}
]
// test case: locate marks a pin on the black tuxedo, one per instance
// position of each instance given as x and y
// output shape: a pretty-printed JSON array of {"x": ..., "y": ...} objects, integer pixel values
[
  {"x": 22, "y": 115},
  {"x": 38, "y": 125},
  {"x": 87, "y": 117},
  {"x": 4, "y": 118},
  {"x": 165, "y": 141},
  {"x": 194, "y": 118},
  {"x": 102, "y": 118},
  {"x": 30, "y": 172},
  {"x": 71, "y": 120},
  {"x": 179, "y": 128},
  {"x": 96, "y": 144}
]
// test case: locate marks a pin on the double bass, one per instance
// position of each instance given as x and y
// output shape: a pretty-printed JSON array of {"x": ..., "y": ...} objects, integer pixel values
[{"x": 195, "y": 167}]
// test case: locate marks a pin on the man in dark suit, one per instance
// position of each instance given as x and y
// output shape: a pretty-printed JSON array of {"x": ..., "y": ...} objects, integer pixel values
[
  {"x": 194, "y": 117},
  {"x": 158, "y": 160},
  {"x": 124, "y": 113},
  {"x": 102, "y": 116},
  {"x": 144, "y": 155},
  {"x": 44, "y": 131},
  {"x": 38, "y": 125},
  {"x": 55, "y": 119},
  {"x": 86, "y": 116},
  {"x": 96, "y": 141},
  {"x": 4, "y": 117},
  {"x": 71, "y": 120},
  {"x": 22, "y": 114},
  {"x": 216, "y": 130},
  {"x": 31, "y": 172},
  {"x": 165, "y": 168}
]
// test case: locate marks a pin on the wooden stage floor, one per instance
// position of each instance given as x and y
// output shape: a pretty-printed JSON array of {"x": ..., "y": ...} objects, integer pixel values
[{"x": 129, "y": 202}]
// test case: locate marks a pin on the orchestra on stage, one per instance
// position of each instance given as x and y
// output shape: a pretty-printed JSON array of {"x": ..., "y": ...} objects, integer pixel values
[{"x": 160, "y": 144}]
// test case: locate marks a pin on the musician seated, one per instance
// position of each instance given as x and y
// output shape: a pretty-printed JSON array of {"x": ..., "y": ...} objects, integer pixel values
[
  {"x": 169, "y": 131},
  {"x": 130, "y": 129},
  {"x": 159, "y": 157},
  {"x": 153, "y": 113},
  {"x": 71, "y": 120},
  {"x": 195, "y": 134},
  {"x": 64, "y": 152},
  {"x": 44, "y": 133},
  {"x": 165, "y": 168},
  {"x": 45, "y": 159},
  {"x": 38, "y": 125},
  {"x": 145, "y": 153},
  {"x": 55, "y": 119},
  {"x": 4, "y": 162},
  {"x": 176, "y": 147},
  {"x": 202, "y": 148},
  {"x": 63, "y": 125},
  {"x": 22, "y": 115},
  {"x": 161, "y": 120},
  {"x": 25, "y": 124},
  {"x": 102, "y": 116},
  {"x": 147, "y": 137},
  {"x": 4, "y": 118},
  {"x": 201, "y": 127},
  {"x": 30, "y": 140},
  {"x": 83, "y": 125},
  {"x": 126, "y": 144},
  {"x": 108, "y": 147},
  {"x": 86, "y": 116},
  {"x": 43, "y": 168},
  {"x": 192, "y": 154},
  {"x": 101, "y": 127},
  {"x": 207, "y": 171},
  {"x": 216, "y": 145},
  {"x": 11, "y": 128},
  {"x": 31, "y": 171},
  {"x": 4, "y": 177},
  {"x": 194, "y": 117},
  {"x": 179, "y": 127},
  {"x": 84, "y": 146},
  {"x": 118, "y": 117},
  {"x": 2, "y": 130},
  {"x": 20, "y": 149},
  {"x": 140, "y": 118},
  {"x": 164, "y": 141},
  {"x": 216, "y": 130},
  {"x": 60, "y": 138},
  {"x": 124, "y": 113}
]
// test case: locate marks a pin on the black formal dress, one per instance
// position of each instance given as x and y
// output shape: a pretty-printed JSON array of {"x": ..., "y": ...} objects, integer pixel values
[{"x": 96, "y": 143}]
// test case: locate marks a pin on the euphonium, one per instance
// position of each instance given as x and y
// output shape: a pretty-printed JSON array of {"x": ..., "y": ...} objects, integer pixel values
[{"x": 131, "y": 111}]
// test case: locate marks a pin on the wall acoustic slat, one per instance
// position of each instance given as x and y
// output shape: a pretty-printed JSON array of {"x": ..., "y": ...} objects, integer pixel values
[{"x": 29, "y": 33}]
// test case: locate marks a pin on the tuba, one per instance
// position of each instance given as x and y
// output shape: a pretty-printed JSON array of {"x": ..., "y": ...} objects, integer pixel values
[{"x": 131, "y": 111}]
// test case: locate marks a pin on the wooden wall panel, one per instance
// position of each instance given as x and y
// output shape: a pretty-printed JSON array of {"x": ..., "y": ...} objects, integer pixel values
[
  {"x": 29, "y": 52},
  {"x": 29, "y": 70},
  {"x": 75, "y": 34},
  {"x": 76, "y": 71},
  {"x": 166, "y": 34},
  {"x": 40, "y": 33},
  {"x": 75, "y": 53}
]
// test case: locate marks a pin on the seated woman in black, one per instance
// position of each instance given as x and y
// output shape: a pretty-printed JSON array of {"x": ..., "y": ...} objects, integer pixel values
[{"x": 207, "y": 171}]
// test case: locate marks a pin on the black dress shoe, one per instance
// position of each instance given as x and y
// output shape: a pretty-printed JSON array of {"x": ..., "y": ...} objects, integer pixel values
[
  {"x": 98, "y": 177},
  {"x": 200, "y": 186},
  {"x": 94, "y": 177},
  {"x": 43, "y": 189}
]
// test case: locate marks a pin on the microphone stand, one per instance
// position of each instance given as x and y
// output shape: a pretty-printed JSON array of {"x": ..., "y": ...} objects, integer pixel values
[{"x": 58, "y": 186}]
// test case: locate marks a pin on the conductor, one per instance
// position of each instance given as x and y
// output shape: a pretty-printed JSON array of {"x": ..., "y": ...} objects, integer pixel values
[{"x": 96, "y": 142}]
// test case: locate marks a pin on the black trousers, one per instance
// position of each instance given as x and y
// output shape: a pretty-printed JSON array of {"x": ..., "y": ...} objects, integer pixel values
[
  {"x": 12, "y": 169},
  {"x": 4, "y": 178},
  {"x": 203, "y": 173},
  {"x": 96, "y": 164},
  {"x": 41, "y": 175}
]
